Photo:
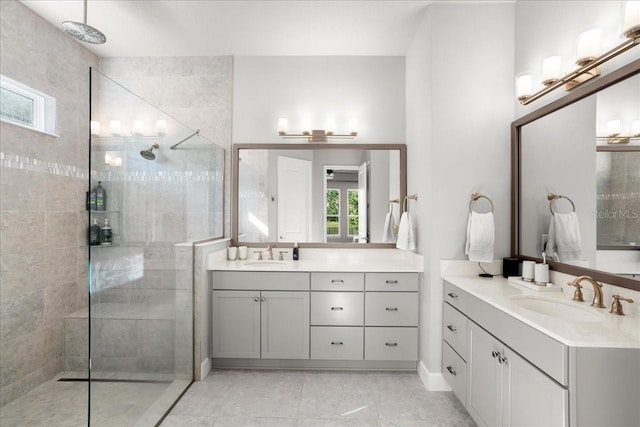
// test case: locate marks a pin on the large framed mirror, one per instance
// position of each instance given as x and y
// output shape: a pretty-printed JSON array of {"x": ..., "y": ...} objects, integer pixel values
[
  {"x": 577, "y": 160},
  {"x": 316, "y": 194}
]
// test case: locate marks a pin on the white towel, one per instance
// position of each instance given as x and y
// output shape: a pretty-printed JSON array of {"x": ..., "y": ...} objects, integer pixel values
[
  {"x": 480, "y": 237},
  {"x": 406, "y": 237},
  {"x": 564, "y": 242},
  {"x": 388, "y": 235}
]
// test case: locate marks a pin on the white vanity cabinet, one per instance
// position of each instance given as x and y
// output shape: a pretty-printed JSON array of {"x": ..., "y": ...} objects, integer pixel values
[
  {"x": 260, "y": 321},
  {"x": 497, "y": 385}
]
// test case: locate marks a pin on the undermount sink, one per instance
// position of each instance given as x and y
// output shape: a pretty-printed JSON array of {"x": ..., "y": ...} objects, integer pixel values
[
  {"x": 266, "y": 263},
  {"x": 564, "y": 310}
]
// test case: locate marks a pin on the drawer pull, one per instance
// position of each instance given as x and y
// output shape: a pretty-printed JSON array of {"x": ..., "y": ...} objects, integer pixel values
[
  {"x": 337, "y": 308},
  {"x": 391, "y": 282},
  {"x": 391, "y": 344},
  {"x": 452, "y": 328},
  {"x": 336, "y": 343},
  {"x": 337, "y": 281},
  {"x": 494, "y": 354},
  {"x": 453, "y": 295},
  {"x": 451, "y": 371},
  {"x": 391, "y": 308}
]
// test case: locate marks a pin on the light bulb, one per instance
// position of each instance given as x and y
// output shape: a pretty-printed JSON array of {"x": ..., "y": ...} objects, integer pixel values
[
  {"x": 551, "y": 70},
  {"x": 524, "y": 86},
  {"x": 613, "y": 127},
  {"x": 631, "y": 25},
  {"x": 282, "y": 126},
  {"x": 588, "y": 46},
  {"x": 161, "y": 127},
  {"x": 114, "y": 127},
  {"x": 95, "y": 128},
  {"x": 138, "y": 128}
]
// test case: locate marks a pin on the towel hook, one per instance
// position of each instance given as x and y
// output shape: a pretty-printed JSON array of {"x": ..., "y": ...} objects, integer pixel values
[
  {"x": 474, "y": 198},
  {"x": 405, "y": 205},
  {"x": 390, "y": 204},
  {"x": 552, "y": 197}
]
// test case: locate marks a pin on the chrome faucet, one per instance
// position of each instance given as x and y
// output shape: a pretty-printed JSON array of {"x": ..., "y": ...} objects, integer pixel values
[
  {"x": 270, "y": 252},
  {"x": 597, "y": 290}
]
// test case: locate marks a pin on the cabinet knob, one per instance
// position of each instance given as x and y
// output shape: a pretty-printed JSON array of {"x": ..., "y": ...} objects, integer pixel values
[
  {"x": 391, "y": 344},
  {"x": 452, "y": 328},
  {"x": 256, "y": 299},
  {"x": 495, "y": 354},
  {"x": 452, "y": 295},
  {"x": 263, "y": 299},
  {"x": 451, "y": 371},
  {"x": 502, "y": 359},
  {"x": 391, "y": 308},
  {"x": 336, "y": 342},
  {"x": 337, "y": 308}
]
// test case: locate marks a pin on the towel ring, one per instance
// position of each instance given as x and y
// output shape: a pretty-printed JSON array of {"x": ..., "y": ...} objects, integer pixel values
[
  {"x": 475, "y": 197},
  {"x": 552, "y": 197},
  {"x": 405, "y": 203}
]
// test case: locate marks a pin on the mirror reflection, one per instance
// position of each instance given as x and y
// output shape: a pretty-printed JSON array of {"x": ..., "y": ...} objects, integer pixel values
[
  {"x": 337, "y": 194},
  {"x": 589, "y": 154}
]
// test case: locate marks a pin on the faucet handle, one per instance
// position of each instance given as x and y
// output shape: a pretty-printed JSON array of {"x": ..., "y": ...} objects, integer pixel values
[
  {"x": 577, "y": 295},
  {"x": 281, "y": 255},
  {"x": 259, "y": 255},
  {"x": 616, "y": 306}
]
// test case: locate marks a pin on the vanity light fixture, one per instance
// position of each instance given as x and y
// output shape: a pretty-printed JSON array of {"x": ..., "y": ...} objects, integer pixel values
[
  {"x": 588, "y": 60},
  {"x": 615, "y": 134},
  {"x": 318, "y": 135}
]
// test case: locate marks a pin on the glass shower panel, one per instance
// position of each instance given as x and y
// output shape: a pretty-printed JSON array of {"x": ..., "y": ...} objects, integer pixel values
[{"x": 157, "y": 201}]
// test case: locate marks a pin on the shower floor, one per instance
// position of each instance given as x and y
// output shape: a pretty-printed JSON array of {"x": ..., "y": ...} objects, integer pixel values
[{"x": 64, "y": 404}]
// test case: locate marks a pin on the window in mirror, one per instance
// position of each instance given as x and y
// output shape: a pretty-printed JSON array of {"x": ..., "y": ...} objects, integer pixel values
[
  {"x": 333, "y": 212},
  {"x": 353, "y": 218}
]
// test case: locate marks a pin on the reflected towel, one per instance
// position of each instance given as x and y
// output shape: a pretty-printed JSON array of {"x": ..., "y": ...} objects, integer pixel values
[
  {"x": 388, "y": 236},
  {"x": 564, "y": 242},
  {"x": 406, "y": 236},
  {"x": 480, "y": 237}
]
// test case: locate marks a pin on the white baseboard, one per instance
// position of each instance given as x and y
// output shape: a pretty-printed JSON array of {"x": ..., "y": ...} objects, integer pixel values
[
  {"x": 432, "y": 382},
  {"x": 205, "y": 368}
]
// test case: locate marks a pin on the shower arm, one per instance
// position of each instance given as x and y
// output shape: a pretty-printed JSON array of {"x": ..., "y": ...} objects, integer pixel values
[{"x": 197, "y": 132}]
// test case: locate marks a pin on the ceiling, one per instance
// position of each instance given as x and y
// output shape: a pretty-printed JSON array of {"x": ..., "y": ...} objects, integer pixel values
[{"x": 251, "y": 27}]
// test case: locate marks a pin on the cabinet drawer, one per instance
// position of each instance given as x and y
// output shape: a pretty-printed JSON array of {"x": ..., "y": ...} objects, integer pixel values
[
  {"x": 337, "y": 343},
  {"x": 337, "y": 308},
  {"x": 337, "y": 281},
  {"x": 455, "y": 297},
  {"x": 406, "y": 282},
  {"x": 391, "y": 309},
  {"x": 454, "y": 329},
  {"x": 270, "y": 281},
  {"x": 390, "y": 343},
  {"x": 454, "y": 370}
]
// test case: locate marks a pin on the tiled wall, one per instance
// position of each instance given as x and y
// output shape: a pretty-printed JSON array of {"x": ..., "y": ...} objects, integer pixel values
[{"x": 42, "y": 194}]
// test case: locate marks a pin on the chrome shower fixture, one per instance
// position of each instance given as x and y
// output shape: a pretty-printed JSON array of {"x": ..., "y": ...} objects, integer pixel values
[
  {"x": 83, "y": 32},
  {"x": 148, "y": 153},
  {"x": 173, "y": 147}
]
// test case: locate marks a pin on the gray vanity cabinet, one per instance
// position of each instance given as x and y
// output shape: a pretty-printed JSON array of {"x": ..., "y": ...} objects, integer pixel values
[{"x": 263, "y": 322}]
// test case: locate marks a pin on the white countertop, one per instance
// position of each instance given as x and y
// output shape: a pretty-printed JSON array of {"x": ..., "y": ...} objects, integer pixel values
[
  {"x": 603, "y": 330},
  {"x": 347, "y": 260}
]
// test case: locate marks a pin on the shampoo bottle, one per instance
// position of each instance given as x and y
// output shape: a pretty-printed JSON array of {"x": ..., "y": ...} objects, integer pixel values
[
  {"x": 94, "y": 233},
  {"x": 296, "y": 254},
  {"x": 101, "y": 197},
  {"x": 92, "y": 200},
  {"x": 105, "y": 233}
]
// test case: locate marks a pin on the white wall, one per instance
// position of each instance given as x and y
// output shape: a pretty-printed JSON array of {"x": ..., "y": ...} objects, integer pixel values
[
  {"x": 459, "y": 107},
  {"x": 368, "y": 88}
]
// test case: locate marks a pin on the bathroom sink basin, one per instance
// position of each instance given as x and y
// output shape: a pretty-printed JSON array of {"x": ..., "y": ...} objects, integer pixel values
[
  {"x": 267, "y": 263},
  {"x": 563, "y": 310}
]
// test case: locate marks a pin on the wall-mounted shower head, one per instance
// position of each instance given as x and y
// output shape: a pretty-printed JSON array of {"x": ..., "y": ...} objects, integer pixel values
[{"x": 148, "y": 153}]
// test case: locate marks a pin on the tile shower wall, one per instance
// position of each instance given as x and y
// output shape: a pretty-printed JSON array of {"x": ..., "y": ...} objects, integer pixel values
[
  {"x": 43, "y": 272},
  {"x": 198, "y": 92}
]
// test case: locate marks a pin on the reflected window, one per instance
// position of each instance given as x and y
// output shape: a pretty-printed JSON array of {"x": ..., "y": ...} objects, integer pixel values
[
  {"x": 352, "y": 212},
  {"x": 333, "y": 212}
]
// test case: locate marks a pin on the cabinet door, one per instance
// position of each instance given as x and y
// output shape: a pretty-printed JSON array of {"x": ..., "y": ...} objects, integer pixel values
[
  {"x": 484, "y": 394},
  {"x": 531, "y": 397},
  {"x": 285, "y": 325},
  {"x": 235, "y": 317}
]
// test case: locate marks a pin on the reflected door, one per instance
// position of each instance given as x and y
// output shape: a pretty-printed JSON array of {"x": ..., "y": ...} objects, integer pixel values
[
  {"x": 362, "y": 203},
  {"x": 294, "y": 199}
]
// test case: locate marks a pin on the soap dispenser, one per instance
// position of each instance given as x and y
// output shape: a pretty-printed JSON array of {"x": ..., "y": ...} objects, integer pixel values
[{"x": 296, "y": 253}]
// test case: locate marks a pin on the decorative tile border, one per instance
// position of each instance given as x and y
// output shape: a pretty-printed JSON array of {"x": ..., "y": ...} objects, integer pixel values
[{"x": 30, "y": 164}]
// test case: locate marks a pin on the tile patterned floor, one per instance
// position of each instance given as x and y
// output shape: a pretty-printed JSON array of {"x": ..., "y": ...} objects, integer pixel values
[
  {"x": 250, "y": 398},
  {"x": 234, "y": 398}
]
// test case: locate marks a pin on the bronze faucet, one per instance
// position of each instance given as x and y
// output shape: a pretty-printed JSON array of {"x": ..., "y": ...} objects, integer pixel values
[
  {"x": 270, "y": 252},
  {"x": 597, "y": 291},
  {"x": 616, "y": 307}
]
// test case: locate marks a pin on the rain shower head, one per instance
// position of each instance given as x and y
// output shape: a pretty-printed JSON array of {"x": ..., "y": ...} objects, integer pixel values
[
  {"x": 148, "y": 153},
  {"x": 82, "y": 31}
]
